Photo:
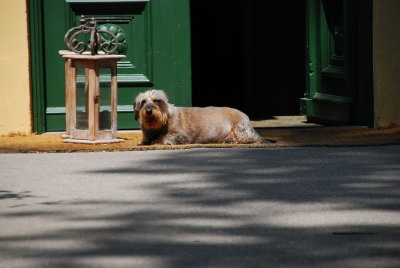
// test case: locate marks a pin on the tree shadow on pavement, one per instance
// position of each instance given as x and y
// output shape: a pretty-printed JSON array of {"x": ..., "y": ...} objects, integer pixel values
[
  {"x": 283, "y": 207},
  {"x": 4, "y": 194}
]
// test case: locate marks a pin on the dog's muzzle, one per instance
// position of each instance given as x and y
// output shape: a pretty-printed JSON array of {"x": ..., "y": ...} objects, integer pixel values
[{"x": 149, "y": 109}]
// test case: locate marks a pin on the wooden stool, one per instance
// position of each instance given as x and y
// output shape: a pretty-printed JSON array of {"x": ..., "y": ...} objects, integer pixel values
[{"x": 91, "y": 97}]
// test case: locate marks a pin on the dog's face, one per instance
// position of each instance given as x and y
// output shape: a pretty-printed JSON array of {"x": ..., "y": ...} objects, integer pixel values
[{"x": 151, "y": 108}]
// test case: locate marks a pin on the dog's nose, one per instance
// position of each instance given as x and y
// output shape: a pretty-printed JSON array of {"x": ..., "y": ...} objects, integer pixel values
[{"x": 149, "y": 111}]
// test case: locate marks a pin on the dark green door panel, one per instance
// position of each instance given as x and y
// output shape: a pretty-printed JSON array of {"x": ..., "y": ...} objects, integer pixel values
[
  {"x": 55, "y": 24},
  {"x": 338, "y": 69},
  {"x": 154, "y": 35}
]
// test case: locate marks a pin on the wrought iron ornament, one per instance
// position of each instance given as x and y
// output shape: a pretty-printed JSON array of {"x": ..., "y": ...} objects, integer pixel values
[{"x": 95, "y": 42}]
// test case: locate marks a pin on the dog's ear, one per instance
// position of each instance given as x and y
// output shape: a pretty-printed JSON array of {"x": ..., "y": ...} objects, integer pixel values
[
  {"x": 136, "y": 115},
  {"x": 171, "y": 110},
  {"x": 136, "y": 110}
]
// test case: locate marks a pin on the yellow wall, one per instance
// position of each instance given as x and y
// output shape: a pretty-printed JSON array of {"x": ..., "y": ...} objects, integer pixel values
[
  {"x": 387, "y": 62},
  {"x": 15, "y": 96}
]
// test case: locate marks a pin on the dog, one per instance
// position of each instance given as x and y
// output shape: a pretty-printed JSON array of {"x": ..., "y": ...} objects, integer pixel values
[{"x": 164, "y": 123}]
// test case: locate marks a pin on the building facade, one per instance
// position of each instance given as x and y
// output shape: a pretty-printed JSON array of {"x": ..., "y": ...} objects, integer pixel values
[{"x": 338, "y": 62}]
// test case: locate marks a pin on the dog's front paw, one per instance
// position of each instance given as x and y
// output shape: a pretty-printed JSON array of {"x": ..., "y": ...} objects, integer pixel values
[
  {"x": 140, "y": 143},
  {"x": 163, "y": 142},
  {"x": 171, "y": 139}
]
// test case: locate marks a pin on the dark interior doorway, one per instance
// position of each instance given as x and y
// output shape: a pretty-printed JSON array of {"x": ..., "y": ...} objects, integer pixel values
[{"x": 249, "y": 55}]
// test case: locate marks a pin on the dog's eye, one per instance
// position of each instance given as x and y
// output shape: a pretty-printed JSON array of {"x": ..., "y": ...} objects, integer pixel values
[
  {"x": 142, "y": 103},
  {"x": 157, "y": 101}
]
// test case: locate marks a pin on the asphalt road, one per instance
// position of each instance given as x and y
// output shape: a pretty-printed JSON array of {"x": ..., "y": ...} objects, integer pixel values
[{"x": 248, "y": 208}]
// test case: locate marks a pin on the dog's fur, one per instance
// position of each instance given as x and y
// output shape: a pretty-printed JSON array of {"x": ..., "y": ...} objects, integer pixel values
[{"x": 163, "y": 123}]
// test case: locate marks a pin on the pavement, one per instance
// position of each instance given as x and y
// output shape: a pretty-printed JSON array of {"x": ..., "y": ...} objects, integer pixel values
[{"x": 219, "y": 208}]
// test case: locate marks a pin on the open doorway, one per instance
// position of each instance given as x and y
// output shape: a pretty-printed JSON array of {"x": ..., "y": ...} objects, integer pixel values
[{"x": 249, "y": 55}]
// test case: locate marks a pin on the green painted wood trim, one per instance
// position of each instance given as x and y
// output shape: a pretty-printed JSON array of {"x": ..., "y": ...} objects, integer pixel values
[
  {"x": 36, "y": 65},
  {"x": 312, "y": 51},
  {"x": 327, "y": 110},
  {"x": 61, "y": 110},
  {"x": 306, "y": 106},
  {"x": 334, "y": 99},
  {"x": 106, "y": 1},
  {"x": 172, "y": 49},
  {"x": 123, "y": 79},
  {"x": 56, "y": 122}
]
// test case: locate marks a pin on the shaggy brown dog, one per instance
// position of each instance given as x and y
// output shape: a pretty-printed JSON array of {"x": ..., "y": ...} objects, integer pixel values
[{"x": 163, "y": 123}]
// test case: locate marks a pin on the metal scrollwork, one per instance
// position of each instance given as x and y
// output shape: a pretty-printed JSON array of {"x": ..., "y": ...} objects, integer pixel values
[
  {"x": 120, "y": 37},
  {"x": 96, "y": 40}
]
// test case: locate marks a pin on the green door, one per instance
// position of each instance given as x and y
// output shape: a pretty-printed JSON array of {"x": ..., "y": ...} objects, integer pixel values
[
  {"x": 339, "y": 62},
  {"x": 155, "y": 37}
]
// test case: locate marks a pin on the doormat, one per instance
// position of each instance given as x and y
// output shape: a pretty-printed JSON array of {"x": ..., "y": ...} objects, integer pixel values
[{"x": 290, "y": 137}]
